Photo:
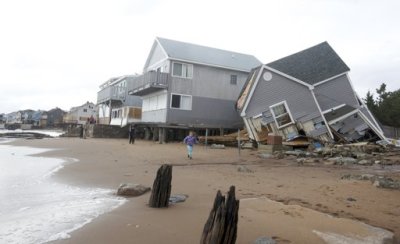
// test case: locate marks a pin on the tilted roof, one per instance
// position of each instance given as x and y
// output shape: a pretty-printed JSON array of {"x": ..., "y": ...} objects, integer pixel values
[
  {"x": 208, "y": 55},
  {"x": 312, "y": 65}
]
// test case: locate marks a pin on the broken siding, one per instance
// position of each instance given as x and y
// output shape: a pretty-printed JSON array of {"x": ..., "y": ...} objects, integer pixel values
[
  {"x": 334, "y": 93},
  {"x": 299, "y": 99}
]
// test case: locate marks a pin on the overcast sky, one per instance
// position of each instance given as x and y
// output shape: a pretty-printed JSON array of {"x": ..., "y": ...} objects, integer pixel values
[{"x": 56, "y": 53}]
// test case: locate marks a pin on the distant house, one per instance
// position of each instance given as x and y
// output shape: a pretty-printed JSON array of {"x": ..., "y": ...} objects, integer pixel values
[
  {"x": 188, "y": 86},
  {"x": 116, "y": 107},
  {"x": 80, "y": 114},
  {"x": 2, "y": 121},
  {"x": 13, "y": 118},
  {"x": 307, "y": 93},
  {"x": 26, "y": 116},
  {"x": 39, "y": 119},
  {"x": 55, "y": 117}
]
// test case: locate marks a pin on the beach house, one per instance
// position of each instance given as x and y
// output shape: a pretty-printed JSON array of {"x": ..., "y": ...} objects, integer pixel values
[
  {"x": 115, "y": 106},
  {"x": 307, "y": 93},
  {"x": 55, "y": 117},
  {"x": 80, "y": 114},
  {"x": 188, "y": 86},
  {"x": 39, "y": 119}
]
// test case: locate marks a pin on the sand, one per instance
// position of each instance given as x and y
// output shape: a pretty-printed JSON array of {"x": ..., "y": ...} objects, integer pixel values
[{"x": 293, "y": 204}]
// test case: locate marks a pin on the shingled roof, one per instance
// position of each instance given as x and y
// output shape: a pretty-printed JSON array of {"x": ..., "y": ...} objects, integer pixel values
[
  {"x": 208, "y": 55},
  {"x": 312, "y": 65}
]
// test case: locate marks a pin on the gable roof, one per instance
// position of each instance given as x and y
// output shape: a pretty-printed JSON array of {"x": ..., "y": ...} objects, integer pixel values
[
  {"x": 312, "y": 65},
  {"x": 207, "y": 55}
]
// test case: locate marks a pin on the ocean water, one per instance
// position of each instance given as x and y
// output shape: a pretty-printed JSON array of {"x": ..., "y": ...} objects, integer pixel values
[
  {"x": 36, "y": 209},
  {"x": 52, "y": 133}
]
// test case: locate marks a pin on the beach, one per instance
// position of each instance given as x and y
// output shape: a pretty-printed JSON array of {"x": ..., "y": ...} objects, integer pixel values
[{"x": 278, "y": 198}]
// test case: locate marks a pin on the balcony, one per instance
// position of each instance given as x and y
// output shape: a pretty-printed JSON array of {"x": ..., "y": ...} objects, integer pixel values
[
  {"x": 148, "y": 83},
  {"x": 111, "y": 93}
]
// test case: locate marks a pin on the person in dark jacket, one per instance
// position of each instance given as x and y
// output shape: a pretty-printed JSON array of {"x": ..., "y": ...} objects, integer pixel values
[
  {"x": 190, "y": 140},
  {"x": 132, "y": 134}
]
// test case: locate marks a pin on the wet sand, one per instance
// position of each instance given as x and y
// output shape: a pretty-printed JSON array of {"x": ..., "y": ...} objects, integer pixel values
[{"x": 303, "y": 195}]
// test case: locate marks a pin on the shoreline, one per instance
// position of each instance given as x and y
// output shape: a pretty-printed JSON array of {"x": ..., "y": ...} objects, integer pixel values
[
  {"x": 33, "y": 199},
  {"x": 106, "y": 163}
]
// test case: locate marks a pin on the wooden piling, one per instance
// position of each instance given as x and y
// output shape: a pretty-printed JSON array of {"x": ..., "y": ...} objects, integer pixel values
[
  {"x": 221, "y": 226},
  {"x": 161, "y": 190}
]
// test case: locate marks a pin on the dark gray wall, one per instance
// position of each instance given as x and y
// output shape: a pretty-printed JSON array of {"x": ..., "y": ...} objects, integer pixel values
[{"x": 207, "y": 112}]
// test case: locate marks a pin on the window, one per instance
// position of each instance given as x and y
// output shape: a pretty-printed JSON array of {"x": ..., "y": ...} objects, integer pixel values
[
  {"x": 182, "y": 70},
  {"x": 233, "y": 79},
  {"x": 85, "y": 110},
  {"x": 281, "y": 114},
  {"x": 181, "y": 102}
]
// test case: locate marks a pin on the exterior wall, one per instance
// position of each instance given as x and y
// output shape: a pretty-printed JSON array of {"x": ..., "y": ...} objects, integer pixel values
[
  {"x": 335, "y": 92},
  {"x": 128, "y": 100},
  {"x": 298, "y": 97},
  {"x": 154, "y": 109},
  {"x": 156, "y": 57},
  {"x": 103, "y": 114},
  {"x": 213, "y": 98},
  {"x": 206, "y": 112},
  {"x": 123, "y": 116},
  {"x": 209, "y": 82},
  {"x": 156, "y": 116}
]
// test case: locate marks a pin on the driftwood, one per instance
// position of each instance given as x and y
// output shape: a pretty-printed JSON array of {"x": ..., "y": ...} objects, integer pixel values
[
  {"x": 221, "y": 226},
  {"x": 228, "y": 140},
  {"x": 161, "y": 190}
]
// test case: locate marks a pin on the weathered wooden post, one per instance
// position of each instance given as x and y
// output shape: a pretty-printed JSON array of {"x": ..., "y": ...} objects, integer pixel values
[
  {"x": 161, "y": 190},
  {"x": 221, "y": 226}
]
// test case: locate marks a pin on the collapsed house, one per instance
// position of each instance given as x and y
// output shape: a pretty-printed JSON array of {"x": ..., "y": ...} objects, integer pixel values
[{"x": 308, "y": 93}]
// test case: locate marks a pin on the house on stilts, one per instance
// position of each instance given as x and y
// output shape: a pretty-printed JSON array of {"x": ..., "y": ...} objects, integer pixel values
[{"x": 186, "y": 86}]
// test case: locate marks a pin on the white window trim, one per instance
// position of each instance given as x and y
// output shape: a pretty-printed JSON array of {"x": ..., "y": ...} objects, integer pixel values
[
  {"x": 288, "y": 111},
  {"x": 189, "y": 65},
  {"x": 191, "y": 101}
]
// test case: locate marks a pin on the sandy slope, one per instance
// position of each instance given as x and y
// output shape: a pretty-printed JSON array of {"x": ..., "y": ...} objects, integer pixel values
[{"x": 109, "y": 162}]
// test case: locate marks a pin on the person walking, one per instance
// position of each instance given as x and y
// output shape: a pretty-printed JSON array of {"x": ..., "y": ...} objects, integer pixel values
[
  {"x": 190, "y": 140},
  {"x": 132, "y": 134}
]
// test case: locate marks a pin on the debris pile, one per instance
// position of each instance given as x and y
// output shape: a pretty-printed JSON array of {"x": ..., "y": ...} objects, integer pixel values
[
  {"x": 376, "y": 180},
  {"x": 365, "y": 154}
]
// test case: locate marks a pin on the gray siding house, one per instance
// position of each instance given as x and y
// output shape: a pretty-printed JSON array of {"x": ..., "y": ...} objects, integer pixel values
[
  {"x": 307, "y": 93},
  {"x": 188, "y": 86},
  {"x": 115, "y": 106}
]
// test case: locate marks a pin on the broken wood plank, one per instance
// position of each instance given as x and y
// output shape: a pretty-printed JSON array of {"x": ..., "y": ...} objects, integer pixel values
[{"x": 161, "y": 190}]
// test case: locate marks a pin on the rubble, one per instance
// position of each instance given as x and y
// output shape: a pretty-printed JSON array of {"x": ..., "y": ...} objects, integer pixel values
[
  {"x": 217, "y": 146},
  {"x": 132, "y": 190},
  {"x": 376, "y": 180},
  {"x": 265, "y": 240},
  {"x": 178, "y": 198},
  {"x": 244, "y": 169},
  {"x": 387, "y": 182},
  {"x": 362, "y": 153}
]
